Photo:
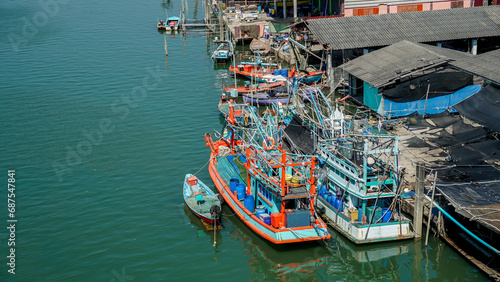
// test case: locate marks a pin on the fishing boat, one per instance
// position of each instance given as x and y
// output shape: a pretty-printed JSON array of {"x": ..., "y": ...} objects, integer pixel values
[
  {"x": 171, "y": 24},
  {"x": 271, "y": 191},
  {"x": 259, "y": 48},
  {"x": 223, "y": 52},
  {"x": 160, "y": 25},
  {"x": 255, "y": 87},
  {"x": 265, "y": 98},
  {"x": 279, "y": 95},
  {"x": 270, "y": 75},
  {"x": 309, "y": 75},
  {"x": 240, "y": 110},
  {"x": 360, "y": 192},
  {"x": 259, "y": 74},
  {"x": 201, "y": 200}
]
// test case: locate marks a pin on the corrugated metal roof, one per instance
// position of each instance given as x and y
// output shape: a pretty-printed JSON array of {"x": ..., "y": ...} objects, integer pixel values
[
  {"x": 374, "y": 3},
  {"x": 425, "y": 26},
  {"x": 384, "y": 66},
  {"x": 486, "y": 65}
]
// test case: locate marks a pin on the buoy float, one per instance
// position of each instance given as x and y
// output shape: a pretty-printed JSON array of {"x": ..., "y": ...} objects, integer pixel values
[{"x": 269, "y": 140}]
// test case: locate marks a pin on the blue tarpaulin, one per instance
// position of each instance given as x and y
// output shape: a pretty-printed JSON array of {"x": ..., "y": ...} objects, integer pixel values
[{"x": 434, "y": 105}]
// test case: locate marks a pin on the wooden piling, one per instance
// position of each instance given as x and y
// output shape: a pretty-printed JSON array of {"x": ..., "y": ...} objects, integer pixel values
[{"x": 419, "y": 200}]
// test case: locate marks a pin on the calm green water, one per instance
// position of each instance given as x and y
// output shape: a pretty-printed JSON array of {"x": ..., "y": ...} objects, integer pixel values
[{"x": 101, "y": 130}]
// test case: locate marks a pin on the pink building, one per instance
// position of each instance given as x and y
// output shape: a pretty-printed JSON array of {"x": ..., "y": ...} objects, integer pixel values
[{"x": 372, "y": 7}]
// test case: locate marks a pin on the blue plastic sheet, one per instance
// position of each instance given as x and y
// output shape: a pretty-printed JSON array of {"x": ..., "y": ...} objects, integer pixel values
[{"x": 435, "y": 105}]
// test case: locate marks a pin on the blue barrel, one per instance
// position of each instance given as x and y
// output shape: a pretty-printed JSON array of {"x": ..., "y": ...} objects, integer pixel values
[
  {"x": 260, "y": 210},
  {"x": 387, "y": 213},
  {"x": 240, "y": 191},
  {"x": 259, "y": 8},
  {"x": 284, "y": 72},
  {"x": 277, "y": 72},
  {"x": 335, "y": 202},
  {"x": 339, "y": 204},
  {"x": 232, "y": 184},
  {"x": 329, "y": 197},
  {"x": 250, "y": 203},
  {"x": 322, "y": 190}
]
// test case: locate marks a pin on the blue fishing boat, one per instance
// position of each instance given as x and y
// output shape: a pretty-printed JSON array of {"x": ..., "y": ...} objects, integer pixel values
[
  {"x": 271, "y": 191},
  {"x": 201, "y": 200},
  {"x": 223, "y": 52},
  {"x": 171, "y": 24}
]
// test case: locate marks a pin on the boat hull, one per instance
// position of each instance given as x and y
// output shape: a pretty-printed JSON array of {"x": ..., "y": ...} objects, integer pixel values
[
  {"x": 355, "y": 232},
  {"x": 188, "y": 194},
  {"x": 276, "y": 236},
  {"x": 263, "y": 100}
]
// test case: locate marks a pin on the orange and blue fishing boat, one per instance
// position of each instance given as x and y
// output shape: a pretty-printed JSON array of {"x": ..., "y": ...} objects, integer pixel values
[
  {"x": 271, "y": 191},
  {"x": 201, "y": 200},
  {"x": 270, "y": 75}
]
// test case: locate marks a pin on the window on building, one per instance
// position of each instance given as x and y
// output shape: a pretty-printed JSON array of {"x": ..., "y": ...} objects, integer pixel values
[
  {"x": 366, "y": 11},
  {"x": 409, "y": 8},
  {"x": 457, "y": 4}
]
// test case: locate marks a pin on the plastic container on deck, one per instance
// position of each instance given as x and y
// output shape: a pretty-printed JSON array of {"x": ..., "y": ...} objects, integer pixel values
[
  {"x": 232, "y": 184},
  {"x": 277, "y": 72},
  {"x": 240, "y": 191},
  {"x": 339, "y": 204},
  {"x": 354, "y": 215},
  {"x": 234, "y": 93},
  {"x": 295, "y": 179},
  {"x": 250, "y": 203},
  {"x": 266, "y": 218},
  {"x": 276, "y": 220},
  {"x": 260, "y": 210},
  {"x": 387, "y": 214}
]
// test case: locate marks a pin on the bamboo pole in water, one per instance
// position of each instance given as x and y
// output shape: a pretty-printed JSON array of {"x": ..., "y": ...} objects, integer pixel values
[{"x": 166, "y": 49}]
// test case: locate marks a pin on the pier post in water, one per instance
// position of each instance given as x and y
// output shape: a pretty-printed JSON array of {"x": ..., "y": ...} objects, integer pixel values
[{"x": 419, "y": 200}]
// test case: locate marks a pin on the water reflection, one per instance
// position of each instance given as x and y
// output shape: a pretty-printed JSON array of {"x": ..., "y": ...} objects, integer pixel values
[{"x": 341, "y": 259}]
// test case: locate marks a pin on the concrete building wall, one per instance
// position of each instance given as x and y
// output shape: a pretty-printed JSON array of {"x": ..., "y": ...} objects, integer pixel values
[{"x": 360, "y": 8}]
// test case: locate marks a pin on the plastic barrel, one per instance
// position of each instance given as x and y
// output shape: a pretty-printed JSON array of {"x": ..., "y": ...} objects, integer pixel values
[
  {"x": 335, "y": 202},
  {"x": 234, "y": 93},
  {"x": 339, "y": 204},
  {"x": 277, "y": 72},
  {"x": 260, "y": 210},
  {"x": 232, "y": 184},
  {"x": 387, "y": 213},
  {"x": 240, "y": 191},
  {"x": 322, "y": 190},
  {"x": 250, "y": 203},
  {"x": 329, "y": 197}
]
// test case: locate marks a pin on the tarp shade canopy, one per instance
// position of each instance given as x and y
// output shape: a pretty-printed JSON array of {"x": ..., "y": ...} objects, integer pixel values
[
  {"x": 433, "y": 105},
  {"x": 483, "y": 108}
]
